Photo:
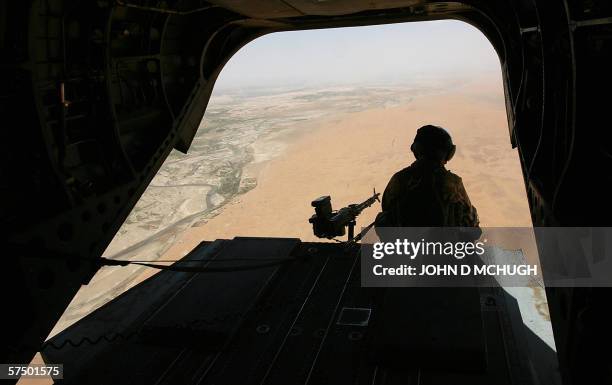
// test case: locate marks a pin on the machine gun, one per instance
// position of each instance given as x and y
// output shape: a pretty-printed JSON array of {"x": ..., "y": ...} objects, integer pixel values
[{"x": 329, "y": 224}]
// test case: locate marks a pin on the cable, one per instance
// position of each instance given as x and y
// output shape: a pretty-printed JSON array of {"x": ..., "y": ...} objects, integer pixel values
[
  {"x": 570, "y": 151},
  {"x": 207, "y": 261},
  {"x": 193, "y": 269},
  {"x": 177, "y": 263}
]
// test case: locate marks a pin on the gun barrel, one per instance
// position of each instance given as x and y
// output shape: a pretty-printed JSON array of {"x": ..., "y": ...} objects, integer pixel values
[
  {"x": 368, "y": 202},
  {"x": 350, "y": 212}
]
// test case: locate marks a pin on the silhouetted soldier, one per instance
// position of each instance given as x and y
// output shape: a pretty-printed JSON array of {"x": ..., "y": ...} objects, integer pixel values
[
  {"x": 409, "y": 320},
  {"x": 426, "y": 193}
]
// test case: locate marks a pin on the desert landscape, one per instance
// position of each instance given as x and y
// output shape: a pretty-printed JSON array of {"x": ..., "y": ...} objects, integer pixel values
[{"x": 349, "y": 154}]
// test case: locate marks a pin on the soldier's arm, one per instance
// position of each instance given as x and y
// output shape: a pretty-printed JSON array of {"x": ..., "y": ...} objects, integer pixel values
[
  {"x": 386, "y": 217},
  {"x": 470, "y": 214},
  {"x": 391, "y": 193}
]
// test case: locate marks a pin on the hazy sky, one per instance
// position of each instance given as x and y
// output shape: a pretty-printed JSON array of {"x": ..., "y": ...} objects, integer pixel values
[{"x": 394, "y": 52}]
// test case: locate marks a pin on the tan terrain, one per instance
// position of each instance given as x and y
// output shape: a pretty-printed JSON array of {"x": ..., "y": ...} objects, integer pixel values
[{"x": 347, "y": 156}]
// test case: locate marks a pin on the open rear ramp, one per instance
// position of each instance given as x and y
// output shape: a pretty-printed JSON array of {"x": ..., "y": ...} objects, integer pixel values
[{"x": 282, "y": 311}]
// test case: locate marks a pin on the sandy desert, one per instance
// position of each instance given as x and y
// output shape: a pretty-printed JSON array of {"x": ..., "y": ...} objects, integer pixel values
[{"x": 349, "y": 154}]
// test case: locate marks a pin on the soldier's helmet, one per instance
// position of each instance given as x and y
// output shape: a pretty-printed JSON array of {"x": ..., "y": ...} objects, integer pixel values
[{"x": 434, "y": 143}]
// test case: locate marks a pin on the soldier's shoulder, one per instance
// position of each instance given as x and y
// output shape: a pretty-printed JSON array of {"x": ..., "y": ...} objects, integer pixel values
[
  {"x": 405, "y": 172},
  {"x": 452, "y": 177},
  {"x": 453, "y": 187}
]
